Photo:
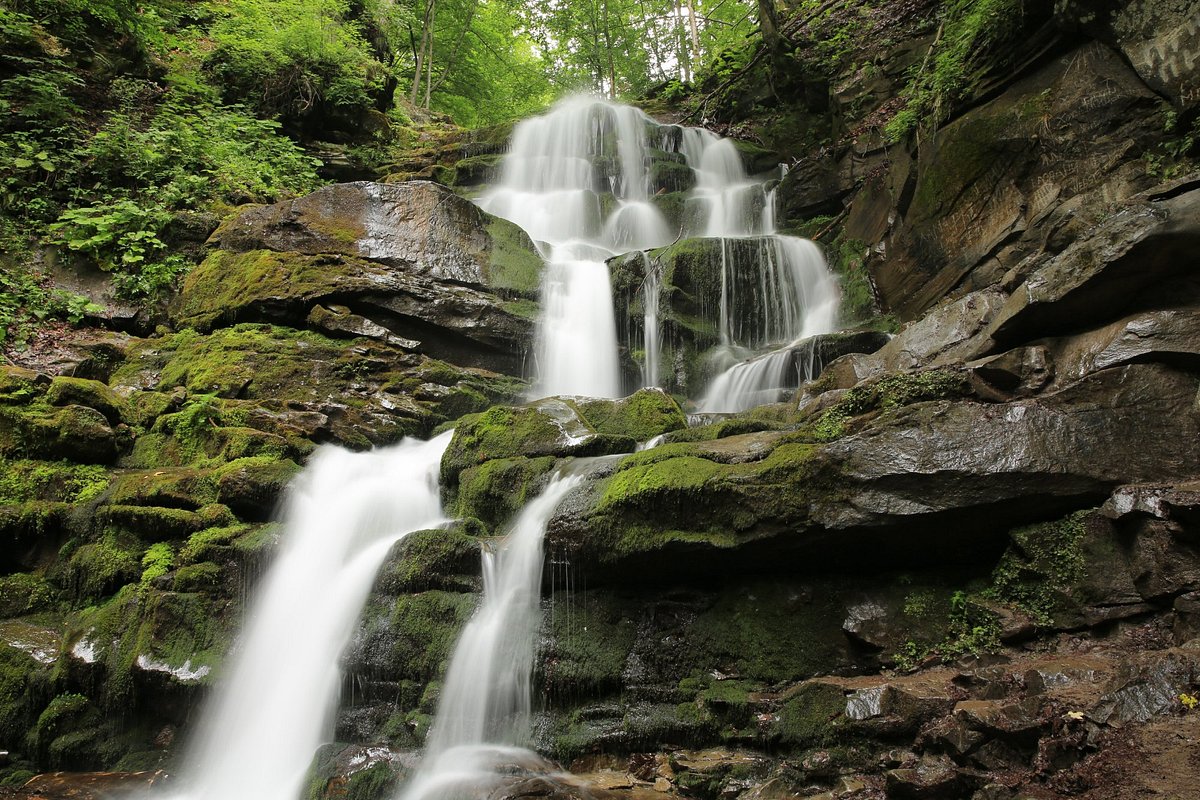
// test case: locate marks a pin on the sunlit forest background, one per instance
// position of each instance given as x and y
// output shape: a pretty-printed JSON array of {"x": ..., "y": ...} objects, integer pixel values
[{"x": 119, "y": 116}]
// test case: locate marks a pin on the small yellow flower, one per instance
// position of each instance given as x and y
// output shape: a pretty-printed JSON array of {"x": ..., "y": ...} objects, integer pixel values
[{"x": 1190, "y": 701}]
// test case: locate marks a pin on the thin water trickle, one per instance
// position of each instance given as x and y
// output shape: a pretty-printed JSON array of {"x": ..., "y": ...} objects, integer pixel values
[
  {"x": 277, "y": 698},
  {"x": 485, "y": 706}
]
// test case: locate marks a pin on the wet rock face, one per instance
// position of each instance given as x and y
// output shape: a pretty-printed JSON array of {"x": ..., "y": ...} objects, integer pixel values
[
  {"x": 411, "y": 263},
  {"x": 1011, "y": 177},
  {"x": 1158, "y": 39},
  {"x": 418, "y": 225}
]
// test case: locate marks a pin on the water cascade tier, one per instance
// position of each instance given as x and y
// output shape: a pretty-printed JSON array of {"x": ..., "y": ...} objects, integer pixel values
[
  {"x": 577, "y": 180},
  {"x": 484, "y": 712},
  {"x": 586, "y": 182},
  {"x": 343, "y": 514}
]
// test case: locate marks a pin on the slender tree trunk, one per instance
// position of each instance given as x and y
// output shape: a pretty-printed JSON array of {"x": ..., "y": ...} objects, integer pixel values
[
  {"x": 768, "y": 22},
  {"x": 608, "y": 47},
  {"x": 426, "y": 44},
  {"x": 685, "y": 58},
  {"x": 452, "y": 58},
  {"x": 691, "y": 7}
]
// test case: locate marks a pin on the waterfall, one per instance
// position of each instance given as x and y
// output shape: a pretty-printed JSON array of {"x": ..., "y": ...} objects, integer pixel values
[
  {"x": 651, "y": 289},
  {"x": 775, "y": 290},
  {"x": 484, "y": 708},
  {"x": 577, "y": 180},
  {"x": 343, "y": 514}
]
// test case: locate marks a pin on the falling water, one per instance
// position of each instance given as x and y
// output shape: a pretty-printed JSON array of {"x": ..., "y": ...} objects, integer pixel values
[
  {"x": 485, "y": 704},
  {"x": 343, "y": 515},
  {"x": 577, "y": 180},
  {"x": 775, "y": 290},
  {"x": 651, "y": 290}
]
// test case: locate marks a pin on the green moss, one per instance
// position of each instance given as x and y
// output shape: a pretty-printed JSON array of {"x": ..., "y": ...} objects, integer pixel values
[
  {"x": 19, "y": 385},
  {"x": 590, "y": 635},
  {"x": 768, "y": 633},
  {"x": 425, "y": 627},
  {"x": 66, "y": 391},
  {"x": 157, "y": 524},
  {"x": 435, "y": 559},
  {"x": 373, "y": 783},
  {"x": 156, "y": 562},
  {"x": 99, "y": 568},
  {"x": 213, "y": 543},
  {"x": 203, "y": 577},
  {"x": 641, "y": 416},
  {"x": 60, "y": 481},
  {"x": 24, "y": 593},
  {"x": 495, "y": 490},
  {"x": 515, "y": 265},
  {"x": 642, "y": 483},
  {"x": 76, "y": 432},
  {"x": 226, "y": 281},
  {"x": 171, "y": 488},
  {"x": 812, "y": 716},
  {"x": 500, "y": 432}
]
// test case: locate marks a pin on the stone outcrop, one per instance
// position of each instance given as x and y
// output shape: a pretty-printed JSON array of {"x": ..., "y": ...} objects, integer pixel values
[{"x": 410, "y": 261}]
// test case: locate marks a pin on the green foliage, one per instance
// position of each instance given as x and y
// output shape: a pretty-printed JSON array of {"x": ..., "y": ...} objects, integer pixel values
[
  {"x": 972, "y": 33},
  {"x": 290, "y": 57},
  {"x": 1041, "y": 565}
]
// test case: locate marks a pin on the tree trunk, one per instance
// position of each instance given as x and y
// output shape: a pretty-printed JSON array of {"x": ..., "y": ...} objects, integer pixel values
[
  {"x": 426, "y": 44},
  {"x": 685, "y": 57},
  {"x": 768, "y": 23}
]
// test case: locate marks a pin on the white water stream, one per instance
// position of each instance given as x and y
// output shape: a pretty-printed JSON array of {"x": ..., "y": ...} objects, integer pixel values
[
  {"x": 485, "y": 703},
  {"x": 343, "y": 514},
  {"x": 555, "y": 183},
  {"x": 578, "y": 181}
]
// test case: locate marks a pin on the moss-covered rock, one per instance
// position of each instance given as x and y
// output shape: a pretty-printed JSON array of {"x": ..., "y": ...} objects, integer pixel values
[
  {"x": 447, "y": 559},
  {"x": 66, "y": 391},
  {"x": 641, "y": 416},
  {"x": 496, "y": 489},
  {"x": 75, "y": 432},
  {"x": 550, "y": 427},
  {"x": 252, "y": 486},
  {"x": 157, "y": 524},
  {"x": 514, "y": 264}
]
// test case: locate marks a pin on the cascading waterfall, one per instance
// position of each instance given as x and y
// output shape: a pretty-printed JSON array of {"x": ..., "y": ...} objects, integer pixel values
[
  {"x": 791, "y": 292},
  {"x": 343, "y": 515},
  {"x": 578, "y": 181},
  {"x": 555, "y": 183},
  {"x": 484, "y": 711}
]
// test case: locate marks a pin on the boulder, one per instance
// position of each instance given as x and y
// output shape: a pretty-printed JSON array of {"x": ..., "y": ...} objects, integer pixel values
[
  {"x": 451, "y": 321},
  {"x": 417, "y": 226},
  {"x": 982, "y": 466}
]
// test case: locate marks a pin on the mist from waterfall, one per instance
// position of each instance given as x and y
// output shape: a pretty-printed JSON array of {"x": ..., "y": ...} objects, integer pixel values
[{"x": 275, "y": 703}]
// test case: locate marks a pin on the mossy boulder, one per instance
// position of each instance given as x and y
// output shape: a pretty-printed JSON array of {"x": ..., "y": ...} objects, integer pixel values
[
  {"x": 66, "y": 391},
  {"x": 447, "y": 320},
  {"x": 550, "y": 427},
  {"x": 641, "y": 416},
  {"x": 252, "y": 486},
  {"x": 476, "y": 170},
  {"x": 495, "y": 490},
  {"x": 446, "y": 559},
  {"x": 76, "y": 432}
]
